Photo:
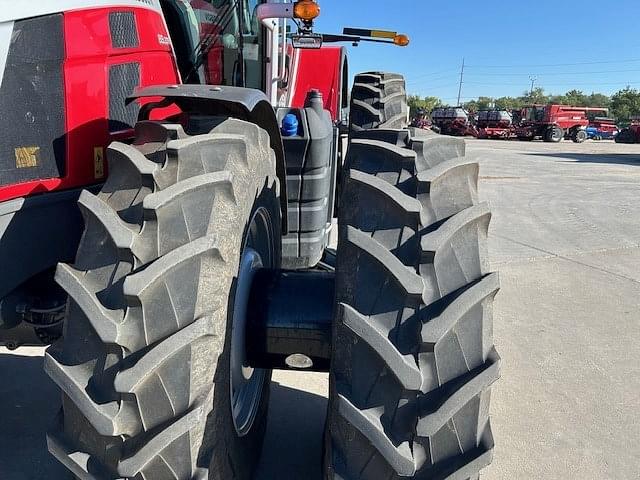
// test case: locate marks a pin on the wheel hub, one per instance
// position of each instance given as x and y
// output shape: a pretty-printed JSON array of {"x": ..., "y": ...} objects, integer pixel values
[{"x": 246, "y": 383}]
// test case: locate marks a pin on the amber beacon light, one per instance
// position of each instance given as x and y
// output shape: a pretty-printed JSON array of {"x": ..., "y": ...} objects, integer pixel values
[
  {"x": 306, "y": 10},
  {"x": 401, "y": 40}
]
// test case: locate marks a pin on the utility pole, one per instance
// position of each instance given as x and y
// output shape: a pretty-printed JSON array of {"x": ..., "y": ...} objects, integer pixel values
[
  {"x": 460, "y": 86},
  {"x": 533, "y": 81}
]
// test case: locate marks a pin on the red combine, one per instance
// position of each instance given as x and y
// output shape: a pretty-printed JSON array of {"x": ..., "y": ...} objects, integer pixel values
[
  {"x": 553, "y": 123},
  {"x": 631, "y": 134},
  {"x": 496, "y": 124}
]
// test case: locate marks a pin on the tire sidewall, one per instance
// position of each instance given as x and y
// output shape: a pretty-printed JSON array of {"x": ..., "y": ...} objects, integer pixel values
[{"x": 244, "y": 450}]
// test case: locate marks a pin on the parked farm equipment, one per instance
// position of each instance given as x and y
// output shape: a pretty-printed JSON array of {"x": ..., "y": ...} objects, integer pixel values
[
  {"x": 602, "y": 128},
  {"x": 554, "y": 123},
  {"x": 453, "y": 121},
  {"x": 495, "y": 124},
  {"x": 631, "y": 134}
]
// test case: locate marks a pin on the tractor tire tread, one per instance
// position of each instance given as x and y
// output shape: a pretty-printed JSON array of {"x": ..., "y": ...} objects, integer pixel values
[
  {"x": 378, "y": 100},
  {"x": 163, "y": 219},
  {"x": 414, "y": 358}
]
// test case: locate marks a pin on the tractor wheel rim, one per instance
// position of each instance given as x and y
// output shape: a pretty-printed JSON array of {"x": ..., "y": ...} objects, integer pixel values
[{"x": 246, "y": 383}]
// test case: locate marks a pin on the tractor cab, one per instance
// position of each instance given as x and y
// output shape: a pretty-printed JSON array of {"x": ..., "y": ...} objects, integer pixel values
[
  {"x": 217, "y": 42},
  {"x": 533, "y": 113}
]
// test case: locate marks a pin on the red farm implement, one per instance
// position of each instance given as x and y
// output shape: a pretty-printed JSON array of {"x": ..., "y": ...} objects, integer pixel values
[
  {"x": 496, "y": 124},
  {"x": 453, "y": 121}
]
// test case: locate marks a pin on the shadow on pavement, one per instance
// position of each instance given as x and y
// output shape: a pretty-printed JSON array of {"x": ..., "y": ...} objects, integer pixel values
[
  {"x": 28, "y": 401},
  {"x": 611, "y": 158},
  {"x": 293, "y": 443}
]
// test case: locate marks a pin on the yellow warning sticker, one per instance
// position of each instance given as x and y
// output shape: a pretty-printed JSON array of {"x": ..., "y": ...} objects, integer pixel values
[
  {"x": 98, "y": 162},
  {"x": 27, "y": 157}
]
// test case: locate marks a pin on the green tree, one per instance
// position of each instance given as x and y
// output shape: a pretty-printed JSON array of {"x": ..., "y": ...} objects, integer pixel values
[
  {"x": 508, "y": 103},
  {"x": 598, "y": 100},
  {"x": 559, "y": 100},
  {"x": 431, "y": 103},
  {"x": 625, "y": 103},
  {"x": 485, "y": 103},
  {"x": 470, "y": 106},
  {"x": 427, "y": 103},
  {"x": 576, "y": 98},
  {"x": 482, "y": 103},
  {"x": 415, "y": 102},
  {"x": 537, "y": 96}
]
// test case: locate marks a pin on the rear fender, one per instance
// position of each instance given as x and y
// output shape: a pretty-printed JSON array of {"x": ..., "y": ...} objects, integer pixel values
[
  {"x": 242, "y": 103},
  {"x": 326, "y": 70}
]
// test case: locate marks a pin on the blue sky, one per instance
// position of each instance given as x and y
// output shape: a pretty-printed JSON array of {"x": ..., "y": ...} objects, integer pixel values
[{"x": 564, "y": 44}]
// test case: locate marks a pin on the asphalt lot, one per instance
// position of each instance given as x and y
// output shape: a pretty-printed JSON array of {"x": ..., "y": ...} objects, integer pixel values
[{"x": 565, "y": 237}]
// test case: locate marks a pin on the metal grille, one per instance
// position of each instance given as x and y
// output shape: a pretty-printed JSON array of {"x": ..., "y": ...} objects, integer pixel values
[
  {"x": 124, "y": 32},
  {"x": 123, "y": 79}
]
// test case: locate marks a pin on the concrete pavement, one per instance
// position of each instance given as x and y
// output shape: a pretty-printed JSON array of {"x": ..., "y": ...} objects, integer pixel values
[{"x": 565, "y": 237}]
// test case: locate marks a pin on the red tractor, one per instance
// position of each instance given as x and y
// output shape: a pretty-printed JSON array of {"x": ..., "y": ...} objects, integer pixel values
[
  {"x": 631, "y": 134},
  {"x": 167, "y": 189},
  {"x": 553, "y": 123}
]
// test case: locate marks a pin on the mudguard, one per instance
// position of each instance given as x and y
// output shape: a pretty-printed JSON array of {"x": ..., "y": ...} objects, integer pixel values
[{"x": 243, "y": 103}]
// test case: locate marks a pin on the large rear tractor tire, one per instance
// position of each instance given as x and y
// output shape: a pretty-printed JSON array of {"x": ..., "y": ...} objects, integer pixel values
[
  {"x": 151, "y": 364},
  {"x": 378, "y": 100},
  {"x": 413, "y": 357}
]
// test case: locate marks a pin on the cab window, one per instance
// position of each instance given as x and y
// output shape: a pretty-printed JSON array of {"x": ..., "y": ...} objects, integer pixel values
[{"x": 217, "y": 42}]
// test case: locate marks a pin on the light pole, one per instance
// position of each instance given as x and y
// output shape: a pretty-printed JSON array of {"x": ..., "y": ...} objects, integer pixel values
[
  {"x": 460, "y": 86},
  {"x": 533, "y": 81}
]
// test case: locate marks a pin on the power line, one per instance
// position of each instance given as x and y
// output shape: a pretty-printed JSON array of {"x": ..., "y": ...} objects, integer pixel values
[
  {"x": 416, "y": 80},
  {"x": 587, "y": 84},
  {"x": 549, "y": 74},
  {"x": 455, "y": 98},
  {"x": 412, "y": 81},
  {"x": 438, "y": 87},
  {"x": 600, "y": 62},
  {"x": 423, "y": 75}
]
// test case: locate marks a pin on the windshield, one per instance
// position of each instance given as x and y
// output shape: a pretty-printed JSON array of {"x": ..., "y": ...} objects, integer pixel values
[{"x": 533, "y": 114}]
